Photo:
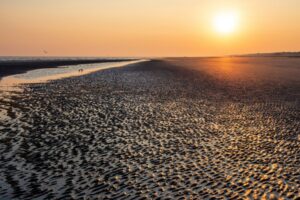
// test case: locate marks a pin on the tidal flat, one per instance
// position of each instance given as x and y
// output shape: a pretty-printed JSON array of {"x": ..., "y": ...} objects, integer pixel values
[{"x": 173, "y": 128}]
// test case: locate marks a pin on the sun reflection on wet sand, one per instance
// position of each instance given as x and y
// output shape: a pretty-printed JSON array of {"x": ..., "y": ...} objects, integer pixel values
[{"x": 246, "y": 69}]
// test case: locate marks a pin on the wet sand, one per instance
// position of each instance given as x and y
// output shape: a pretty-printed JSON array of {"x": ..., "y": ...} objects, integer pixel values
[{"x": 219, "y": 128}]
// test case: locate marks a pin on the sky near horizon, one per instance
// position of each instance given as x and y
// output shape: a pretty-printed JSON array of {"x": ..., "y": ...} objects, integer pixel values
[{"x": 145, "y": 28}]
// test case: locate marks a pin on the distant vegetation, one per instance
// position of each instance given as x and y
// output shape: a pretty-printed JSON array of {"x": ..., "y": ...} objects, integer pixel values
[{"x": 274, "y": 54}]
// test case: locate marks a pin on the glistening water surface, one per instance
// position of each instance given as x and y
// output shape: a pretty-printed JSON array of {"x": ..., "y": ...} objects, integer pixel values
[{"x": 46, "y": 74}]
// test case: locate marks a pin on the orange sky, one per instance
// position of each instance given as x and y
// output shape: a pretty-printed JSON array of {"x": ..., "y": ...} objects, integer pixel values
[{"x": 145, "y": 27}]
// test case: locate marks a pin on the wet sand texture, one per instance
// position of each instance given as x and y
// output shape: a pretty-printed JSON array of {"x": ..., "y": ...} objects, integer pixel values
[
  {"x": 9, "y": 67},
  {"x": 153, "y": 131}
]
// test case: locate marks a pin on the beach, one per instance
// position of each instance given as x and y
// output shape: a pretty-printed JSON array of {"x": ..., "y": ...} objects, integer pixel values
[{"x": 172, "y": 128}]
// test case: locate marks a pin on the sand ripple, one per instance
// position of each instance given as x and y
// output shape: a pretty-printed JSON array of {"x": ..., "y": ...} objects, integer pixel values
[{"x": 151, "y": 131}]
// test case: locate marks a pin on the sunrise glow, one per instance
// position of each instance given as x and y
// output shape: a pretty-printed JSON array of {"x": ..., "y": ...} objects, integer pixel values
[
  {"x": 147, "y": 28},
  {"x": 226, "y": 22}
]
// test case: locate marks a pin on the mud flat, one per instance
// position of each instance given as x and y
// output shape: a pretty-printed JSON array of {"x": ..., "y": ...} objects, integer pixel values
[{"x": 162, "y": 129}]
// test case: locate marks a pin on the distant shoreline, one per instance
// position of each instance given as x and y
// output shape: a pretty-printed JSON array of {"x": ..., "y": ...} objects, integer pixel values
[
  {"x": 274, "y": 54},
  {"x": 11, "y": 66}
]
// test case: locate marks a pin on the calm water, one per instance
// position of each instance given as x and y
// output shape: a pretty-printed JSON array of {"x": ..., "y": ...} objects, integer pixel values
[{"x": 46, "y": 74}]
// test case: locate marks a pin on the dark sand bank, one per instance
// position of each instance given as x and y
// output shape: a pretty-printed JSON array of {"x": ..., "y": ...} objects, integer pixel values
[
  {"x": 9, "y": 67},
  {"x": 275, "y": 54},
  {"x": 165, "y": 128}
]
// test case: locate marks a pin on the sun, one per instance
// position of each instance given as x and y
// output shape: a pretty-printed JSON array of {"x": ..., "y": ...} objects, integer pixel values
[{"x": 225, "y": 22}]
